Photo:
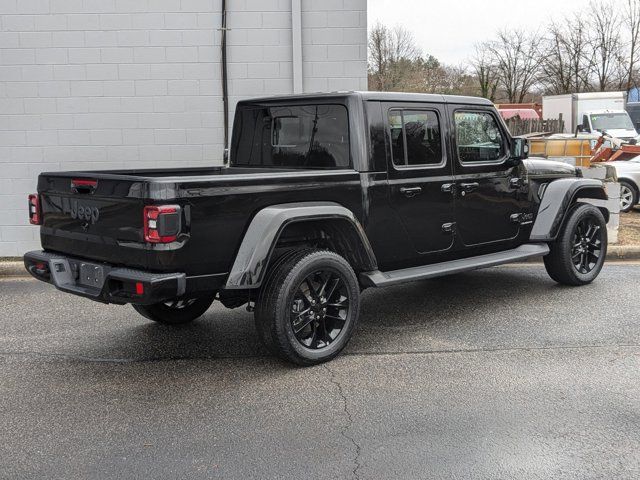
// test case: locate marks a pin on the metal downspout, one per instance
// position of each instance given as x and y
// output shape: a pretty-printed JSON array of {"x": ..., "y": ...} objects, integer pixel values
[
  {"x": 225, "y": 81},
  {"x": 296, "y": 33}
]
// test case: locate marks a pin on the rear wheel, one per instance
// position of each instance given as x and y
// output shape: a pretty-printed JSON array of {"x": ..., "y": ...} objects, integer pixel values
[
  {"x": 628, "y": 196},
  {"x": 308, "y": 307},
  {"x": 578, "y": 254},
  {"x": 177, "y": 311}
]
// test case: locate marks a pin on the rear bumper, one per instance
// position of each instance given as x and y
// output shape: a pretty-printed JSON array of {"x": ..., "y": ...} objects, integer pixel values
[{"x": 103, "y": 282}]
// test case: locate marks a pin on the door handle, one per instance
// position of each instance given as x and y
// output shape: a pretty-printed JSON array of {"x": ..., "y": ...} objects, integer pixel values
[
  {"x": 469, "y": 187},
  {"x": 410, "y": 191},
  {"x": 516, "y": 182},
  {"x": 447, "y": 188}
]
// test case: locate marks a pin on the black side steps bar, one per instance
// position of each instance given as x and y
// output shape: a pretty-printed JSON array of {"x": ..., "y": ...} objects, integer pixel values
[{"x": 385, "y": 279}]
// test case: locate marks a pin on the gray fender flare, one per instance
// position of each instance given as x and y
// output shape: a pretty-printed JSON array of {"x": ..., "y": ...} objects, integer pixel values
[
  {"x": 557, "y": 199},
  {"x": 264, "y": 231}
]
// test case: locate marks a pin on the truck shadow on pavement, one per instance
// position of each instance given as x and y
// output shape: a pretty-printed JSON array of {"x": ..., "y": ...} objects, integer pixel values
[{"x": 457, "y": 312}]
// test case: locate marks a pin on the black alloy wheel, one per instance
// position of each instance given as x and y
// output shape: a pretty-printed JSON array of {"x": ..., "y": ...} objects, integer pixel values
[
  {"x": 320, "y": 309},
  {"x": 587, "y": 245},
  {"x": 308, "y": 306},
  {"x": 580, "y": 249}
]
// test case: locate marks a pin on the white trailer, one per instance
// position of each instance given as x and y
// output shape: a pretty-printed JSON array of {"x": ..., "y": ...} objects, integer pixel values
[{"x": 596, "y": 112}]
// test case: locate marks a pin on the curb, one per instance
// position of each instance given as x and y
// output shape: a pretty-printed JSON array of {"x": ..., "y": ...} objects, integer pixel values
[
  {"x": 12, "y": 268},
  {"x": 15, "y": 268},
  {"x": 623, "y": 252}
]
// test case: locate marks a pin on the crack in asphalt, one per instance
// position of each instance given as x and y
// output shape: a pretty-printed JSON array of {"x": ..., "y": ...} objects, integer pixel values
[
  {"x": 82, "y": 358},
  {"x": 345, "y": 429}
]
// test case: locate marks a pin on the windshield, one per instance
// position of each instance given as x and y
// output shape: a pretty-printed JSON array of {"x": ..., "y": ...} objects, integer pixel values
[
  {"x": 296, "y": 136},
  {"x": 611, "y": 121}
]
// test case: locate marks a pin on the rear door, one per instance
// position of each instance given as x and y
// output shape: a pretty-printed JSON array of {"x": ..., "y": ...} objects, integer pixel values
[
  {"x": 486, "y": 196},
  {"x": 420, "y": 176}
]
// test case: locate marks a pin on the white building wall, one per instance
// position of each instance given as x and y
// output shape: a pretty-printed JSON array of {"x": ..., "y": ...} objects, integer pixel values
[{"x": 107, "y": 84}]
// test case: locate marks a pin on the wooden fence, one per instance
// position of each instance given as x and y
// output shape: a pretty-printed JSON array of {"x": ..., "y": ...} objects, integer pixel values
[{"x": 518, "y": 126}]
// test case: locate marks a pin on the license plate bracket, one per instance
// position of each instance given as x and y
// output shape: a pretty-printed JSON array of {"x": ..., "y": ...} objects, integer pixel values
[{"x": 91, "y": 275}]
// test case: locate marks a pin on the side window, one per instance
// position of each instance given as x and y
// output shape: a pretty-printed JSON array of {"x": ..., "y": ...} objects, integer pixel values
[
  {"x": 478, "y": 137},
  {"x": 415, "y": 138}
]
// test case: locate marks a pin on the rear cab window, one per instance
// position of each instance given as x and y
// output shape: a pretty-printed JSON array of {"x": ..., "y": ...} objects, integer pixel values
[
  {"x": 314, "y": 136},
  {"x": 416, "y": 139}
]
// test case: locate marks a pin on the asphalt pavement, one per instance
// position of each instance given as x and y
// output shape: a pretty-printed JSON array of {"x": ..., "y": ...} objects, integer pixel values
[{"x": 495, "y": 374}]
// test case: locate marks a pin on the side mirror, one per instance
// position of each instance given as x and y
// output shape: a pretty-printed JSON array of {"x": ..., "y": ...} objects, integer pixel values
[{"x": 519, "y": 149}]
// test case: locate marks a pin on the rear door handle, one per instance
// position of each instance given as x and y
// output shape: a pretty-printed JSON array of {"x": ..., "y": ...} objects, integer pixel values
[
  {"x": 410, "y": 191},
  {"x": 469, "y": 187}
]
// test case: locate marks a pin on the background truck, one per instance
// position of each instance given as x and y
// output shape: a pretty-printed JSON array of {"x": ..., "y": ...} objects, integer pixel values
[
  {"x": 591, "y": 113},
  {"x": 325, "y": 195}
]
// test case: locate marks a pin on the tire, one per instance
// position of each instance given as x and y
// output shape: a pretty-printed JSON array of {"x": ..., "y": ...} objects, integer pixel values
[
  {"x": 628, "y": 196},
  {"x": 579, "y": 252},
  {"x": 262, "y": 328},
  {"x": 176, "y": 312},
  {"x": 308, "y": 307}
]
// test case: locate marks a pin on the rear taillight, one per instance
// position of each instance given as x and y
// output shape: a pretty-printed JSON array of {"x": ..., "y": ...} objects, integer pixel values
[
  {"x": 162, "y": 223},
  {"x": 35, "y": 215}
]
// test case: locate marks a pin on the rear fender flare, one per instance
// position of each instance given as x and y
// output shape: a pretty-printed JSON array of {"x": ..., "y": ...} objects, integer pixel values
[
  {"x": 264, "y": 231},
  {"x": 558, "y": 199}
]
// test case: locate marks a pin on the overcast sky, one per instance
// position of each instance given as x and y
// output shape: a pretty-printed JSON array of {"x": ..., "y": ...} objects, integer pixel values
[{"x": 448, "y": 29}]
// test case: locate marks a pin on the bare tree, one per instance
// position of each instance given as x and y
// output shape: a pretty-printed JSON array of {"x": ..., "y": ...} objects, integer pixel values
[
  {"x": 556, "y": 74},
  {"x": 565, "y": 57},
  {"x": 391, "y": 53},
  {"x": 516, "y": 58},
  {"x": 485, "y": 72},
  {"x": 631, "y": 19},
  {"x": 606, "y": 44},
  {"x": 378, "y": 56},
  {"x": 445, "y": 79}
]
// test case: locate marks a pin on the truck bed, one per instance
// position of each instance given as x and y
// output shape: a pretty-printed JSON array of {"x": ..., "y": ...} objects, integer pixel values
[{"x": 217, "y": 203}]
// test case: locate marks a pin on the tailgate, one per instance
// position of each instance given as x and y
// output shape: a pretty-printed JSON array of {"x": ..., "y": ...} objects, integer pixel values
[{"x": 94, "y": 216}]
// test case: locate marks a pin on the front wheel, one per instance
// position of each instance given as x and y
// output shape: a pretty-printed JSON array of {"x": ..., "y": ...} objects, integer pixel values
[
  {"x": 578, "y": 254},
  {"x": 308, "y": 307},
  {"x": 177, "y": 311}
]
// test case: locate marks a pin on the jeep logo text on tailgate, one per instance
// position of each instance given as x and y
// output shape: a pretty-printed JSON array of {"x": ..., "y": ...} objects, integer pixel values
[{"x": 84, "y": 212}]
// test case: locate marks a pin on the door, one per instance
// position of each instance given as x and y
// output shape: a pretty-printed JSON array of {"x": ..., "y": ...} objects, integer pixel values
[
  {"x": 420, "y": 176},
  {"x": 487, "y": 206}
]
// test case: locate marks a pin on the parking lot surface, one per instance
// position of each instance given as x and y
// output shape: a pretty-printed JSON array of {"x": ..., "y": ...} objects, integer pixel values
[{"x": 493, "y": 374}]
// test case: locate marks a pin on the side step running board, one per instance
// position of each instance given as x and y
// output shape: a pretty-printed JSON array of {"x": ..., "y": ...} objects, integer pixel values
[{"x": 385, "y": 279}]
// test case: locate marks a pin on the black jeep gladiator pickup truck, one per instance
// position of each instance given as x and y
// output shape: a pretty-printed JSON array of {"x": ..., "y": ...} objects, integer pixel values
[{"x": 325, "y": 195}]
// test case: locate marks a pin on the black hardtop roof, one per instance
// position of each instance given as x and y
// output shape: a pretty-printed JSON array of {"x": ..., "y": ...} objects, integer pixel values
[{"x": 376, "y": 96}]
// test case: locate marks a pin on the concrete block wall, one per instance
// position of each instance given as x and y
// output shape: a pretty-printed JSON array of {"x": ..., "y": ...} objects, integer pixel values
[{"x": 108, "y": 84}]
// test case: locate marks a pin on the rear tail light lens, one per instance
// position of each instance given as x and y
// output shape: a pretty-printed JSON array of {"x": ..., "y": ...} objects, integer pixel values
[
  {"x": 162, "y": 223},
  {"x": 35, "y": 215}
]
